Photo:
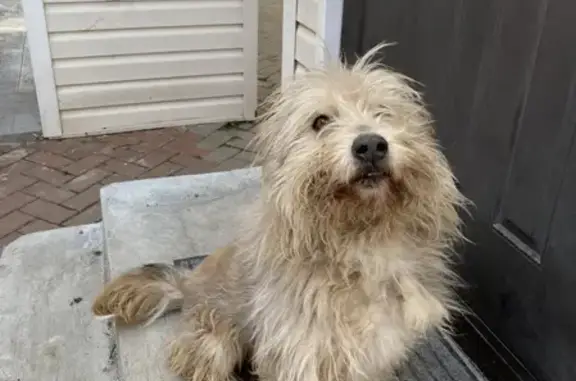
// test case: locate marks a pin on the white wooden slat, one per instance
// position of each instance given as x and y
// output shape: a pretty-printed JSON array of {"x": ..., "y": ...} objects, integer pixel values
[
  {"x": 42, "y": 67},
  {"x": 307, "y": 47},
  {"x": 128, "y": 68},
  {"x": 308, "y": 13},
  {"x": 141, "y": 14},
  {"x": 121, "y": 93},
  {"x": 288, "y": 39},
  {"x": 313, "y": 33},
  {"x": 125, "y": 118},
  {"x": 140, "y": 41},
  {"x": 250, "y": 51},
  {"x": 331, "y": 29},
  {"x": 108, "y": 54}
]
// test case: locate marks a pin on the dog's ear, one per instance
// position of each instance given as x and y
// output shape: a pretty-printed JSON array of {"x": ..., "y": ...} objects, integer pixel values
[
  {"x": 267, "y": 129},
  {"x": 267, "y": 157}
]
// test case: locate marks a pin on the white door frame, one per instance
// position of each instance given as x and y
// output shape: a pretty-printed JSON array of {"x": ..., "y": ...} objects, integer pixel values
[
  {"x": 332, "y": 27},
  {"x": 41, "y": 60},
  {"x": 329, "y": 23}
]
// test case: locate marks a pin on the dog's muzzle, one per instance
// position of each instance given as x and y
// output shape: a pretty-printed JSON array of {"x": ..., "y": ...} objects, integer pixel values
[{"x": 370, "y": 151}]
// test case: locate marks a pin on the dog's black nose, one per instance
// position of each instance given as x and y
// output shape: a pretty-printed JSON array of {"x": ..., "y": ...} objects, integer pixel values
[{"x": 370, "y": 148}]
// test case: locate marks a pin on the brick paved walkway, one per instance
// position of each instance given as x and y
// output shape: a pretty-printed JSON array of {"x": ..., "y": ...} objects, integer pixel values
[{"x": 49, "y": 183}]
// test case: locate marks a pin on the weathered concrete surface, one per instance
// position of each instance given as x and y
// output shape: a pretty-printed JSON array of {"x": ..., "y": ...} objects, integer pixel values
[
  {"x": 162, "y": 220},
  {"x": 165, "y": 219},
  {"x": 47, "y": 331}
]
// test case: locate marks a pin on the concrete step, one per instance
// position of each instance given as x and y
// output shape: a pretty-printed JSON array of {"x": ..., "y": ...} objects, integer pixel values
[
  {"x": 161, "y": 220},
  {"x": 173, "y": 217}
]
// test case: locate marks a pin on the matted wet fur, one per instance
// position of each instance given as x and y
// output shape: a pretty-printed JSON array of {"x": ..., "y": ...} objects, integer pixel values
[{"x": 344, "y": 263}]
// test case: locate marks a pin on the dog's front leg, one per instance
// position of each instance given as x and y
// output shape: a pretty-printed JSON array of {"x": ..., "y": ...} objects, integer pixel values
[
  {"x": 209, "y": 346},
  {"x": 421, "y": 309}
]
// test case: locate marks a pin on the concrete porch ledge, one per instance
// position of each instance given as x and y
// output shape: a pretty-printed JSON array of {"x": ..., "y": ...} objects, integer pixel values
[
  {"x": 175, "y": 217},
  {"x": 47, "y": 331}
]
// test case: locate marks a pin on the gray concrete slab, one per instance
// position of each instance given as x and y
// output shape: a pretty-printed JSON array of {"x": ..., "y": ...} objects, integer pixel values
[
  {"x": 18, "y": 105},
  {"x": 173, "y": 217},
  {"x": 47, "y": 331}
]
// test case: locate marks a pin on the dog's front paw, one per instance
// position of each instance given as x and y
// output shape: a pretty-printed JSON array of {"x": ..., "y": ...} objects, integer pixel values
[
  {"x": 421, "y": 310},
  {"x": 203, "y": 355},
  {"x": 138, "y": 296}
]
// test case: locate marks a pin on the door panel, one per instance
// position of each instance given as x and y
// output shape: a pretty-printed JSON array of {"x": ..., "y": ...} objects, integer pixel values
[
  {"x": 560, "y": 287},
  {"x": 543, "y": 138},
  {"x": 500, "y": 80}
]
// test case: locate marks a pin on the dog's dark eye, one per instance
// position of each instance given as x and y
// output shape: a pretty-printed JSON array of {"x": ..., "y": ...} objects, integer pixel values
[
  {"x": 319, "y": 122},
  {"x": 384, "y": 113}
]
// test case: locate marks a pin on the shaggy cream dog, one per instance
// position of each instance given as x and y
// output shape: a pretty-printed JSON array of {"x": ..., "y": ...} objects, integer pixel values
[{"x": 344, "y": 262}]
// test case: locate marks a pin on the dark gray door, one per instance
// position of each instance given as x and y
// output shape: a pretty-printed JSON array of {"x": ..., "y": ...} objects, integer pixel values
[{"x": 500, "y": 78}]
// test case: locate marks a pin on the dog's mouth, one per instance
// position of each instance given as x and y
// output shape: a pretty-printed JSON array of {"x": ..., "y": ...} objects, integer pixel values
[{"x": 371, "y": 178}]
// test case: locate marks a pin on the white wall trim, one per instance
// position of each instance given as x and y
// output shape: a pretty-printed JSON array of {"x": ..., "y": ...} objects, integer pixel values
[
  {"x": 332, "y": 28},
  {"x": 250, "y": 58},
  {"x": 41, "y": 60},
  {"x": 288, "y": 39},
  {"x": 327, "y": 30}
]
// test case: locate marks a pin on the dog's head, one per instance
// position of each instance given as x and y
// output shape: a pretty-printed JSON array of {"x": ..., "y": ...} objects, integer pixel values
[{"x": 354, "y": 141}]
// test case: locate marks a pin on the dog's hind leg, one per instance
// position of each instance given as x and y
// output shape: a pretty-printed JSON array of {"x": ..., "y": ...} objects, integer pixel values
[
  {"x": 141, "y": 295},
  {"x": 208, "y": 349}
]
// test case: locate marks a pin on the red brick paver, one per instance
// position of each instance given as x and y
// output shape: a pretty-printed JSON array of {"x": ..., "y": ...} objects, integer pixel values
[{"x": 45, "y": 184}]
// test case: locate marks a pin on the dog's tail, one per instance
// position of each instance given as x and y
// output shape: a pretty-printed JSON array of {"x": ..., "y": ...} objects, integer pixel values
[{"x": 142, "y": 295}]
